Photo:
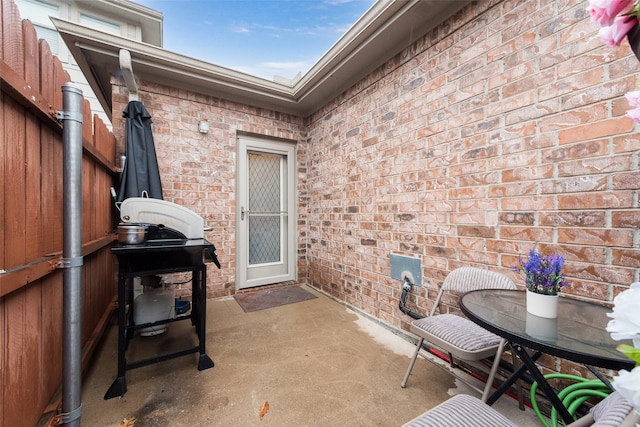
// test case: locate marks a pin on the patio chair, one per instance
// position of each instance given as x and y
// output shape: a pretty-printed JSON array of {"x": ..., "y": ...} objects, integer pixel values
[
  {"x": 463, "y": 410},
  {"x": 614, "y": 410},
  {"x": 458, "y": 336}
]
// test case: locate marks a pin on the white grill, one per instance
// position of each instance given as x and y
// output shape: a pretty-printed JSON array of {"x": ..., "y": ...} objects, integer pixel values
[{"x": 156, "y": 211}]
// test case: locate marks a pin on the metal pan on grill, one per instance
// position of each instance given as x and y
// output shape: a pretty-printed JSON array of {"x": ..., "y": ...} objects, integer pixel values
[{"x": 132, "y": 234}]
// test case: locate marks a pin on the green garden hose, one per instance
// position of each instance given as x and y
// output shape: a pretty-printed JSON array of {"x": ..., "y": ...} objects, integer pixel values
[{"x": 571, "y": 397}]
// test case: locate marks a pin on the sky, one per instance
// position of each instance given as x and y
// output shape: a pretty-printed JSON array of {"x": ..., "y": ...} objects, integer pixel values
[{"x": 264, "y": 38}]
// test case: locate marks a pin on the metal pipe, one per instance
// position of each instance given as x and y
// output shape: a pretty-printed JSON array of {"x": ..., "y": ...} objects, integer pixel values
[{"x": 72, "y": 256}]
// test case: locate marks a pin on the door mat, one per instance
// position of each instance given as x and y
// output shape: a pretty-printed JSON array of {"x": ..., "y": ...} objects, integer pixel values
[{"x": 275, "y": 297}]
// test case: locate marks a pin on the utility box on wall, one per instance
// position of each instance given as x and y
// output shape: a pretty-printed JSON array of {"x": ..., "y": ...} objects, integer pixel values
[{"x": 405, "y": 266}]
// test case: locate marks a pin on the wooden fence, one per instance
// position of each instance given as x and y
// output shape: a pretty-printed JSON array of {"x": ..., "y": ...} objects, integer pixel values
[{"x": 31, "y": 214}]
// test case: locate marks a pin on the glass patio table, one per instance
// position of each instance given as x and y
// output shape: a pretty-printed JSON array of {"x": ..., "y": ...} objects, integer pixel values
[{"x": 578, "y": 335}]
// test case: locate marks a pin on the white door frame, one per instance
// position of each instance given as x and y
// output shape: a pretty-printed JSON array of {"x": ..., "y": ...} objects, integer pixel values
[{"x": 248, "y": 276}]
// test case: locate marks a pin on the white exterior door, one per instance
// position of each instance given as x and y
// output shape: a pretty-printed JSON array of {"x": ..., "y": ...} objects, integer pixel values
[{"x": 266, "y": 212}]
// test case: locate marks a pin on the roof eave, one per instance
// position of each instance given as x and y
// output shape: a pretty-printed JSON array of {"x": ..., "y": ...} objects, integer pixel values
[{"x": 388, "y": 27}]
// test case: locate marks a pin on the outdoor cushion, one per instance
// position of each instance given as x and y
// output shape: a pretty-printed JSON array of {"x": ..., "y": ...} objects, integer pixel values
[
  {"x": 461, "y": 410},
  {"x": 456, "y": 330},
  {"x": 611, "y": 411}
]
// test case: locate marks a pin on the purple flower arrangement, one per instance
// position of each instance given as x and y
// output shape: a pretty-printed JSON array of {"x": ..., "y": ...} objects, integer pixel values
[{"x": 542, "y": 274}]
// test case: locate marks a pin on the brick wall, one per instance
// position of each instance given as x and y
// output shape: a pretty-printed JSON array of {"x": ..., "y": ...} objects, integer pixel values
[{"x": 502, "y": 130}]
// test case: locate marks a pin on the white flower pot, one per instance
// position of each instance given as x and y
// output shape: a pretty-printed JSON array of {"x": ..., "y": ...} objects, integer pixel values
[{"x": 542, "y": 305}]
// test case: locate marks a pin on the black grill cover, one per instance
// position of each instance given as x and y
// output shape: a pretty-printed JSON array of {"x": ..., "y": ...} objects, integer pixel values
[{"x": 141, "y": 173}]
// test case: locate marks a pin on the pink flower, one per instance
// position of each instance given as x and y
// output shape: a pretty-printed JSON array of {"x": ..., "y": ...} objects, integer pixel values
[
  {"x": 615, "y": 33},
  {"x": 634, "y": 114},
  {"x": 633, "y": 98},
  {"x": 604, "y": 11}
]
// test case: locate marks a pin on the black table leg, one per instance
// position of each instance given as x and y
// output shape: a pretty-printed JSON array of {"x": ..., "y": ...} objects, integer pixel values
[
  {"x": 543, "y": 384},
  {"x": 195, "y": 300},
  {"x": 601, "y": 377},
  {"x": 129, "y": 330},
  {"x": 119, "y": 386},
  {"x": 205, "y": 361},
  {"x": 515, "y": 376}
]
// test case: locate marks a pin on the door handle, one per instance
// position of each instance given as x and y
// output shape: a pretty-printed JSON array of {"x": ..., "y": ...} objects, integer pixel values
[{"x": 260, "y": 213}]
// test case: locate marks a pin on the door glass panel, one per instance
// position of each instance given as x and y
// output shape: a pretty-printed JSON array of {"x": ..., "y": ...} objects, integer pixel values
[{"x": 265, "y": 198}]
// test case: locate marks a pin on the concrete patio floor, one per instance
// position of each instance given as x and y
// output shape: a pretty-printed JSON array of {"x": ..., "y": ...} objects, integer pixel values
[{"x": 315, "y": 362}]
